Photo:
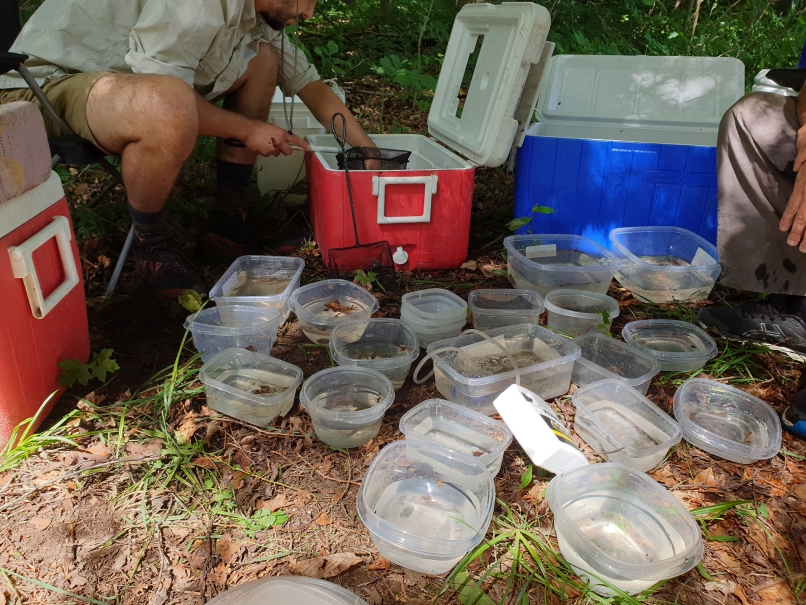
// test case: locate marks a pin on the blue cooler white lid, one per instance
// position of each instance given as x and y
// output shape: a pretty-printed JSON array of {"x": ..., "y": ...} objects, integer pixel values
[
  {"x": 502, "y": 93},
  {"x": 671, "y": 100}
]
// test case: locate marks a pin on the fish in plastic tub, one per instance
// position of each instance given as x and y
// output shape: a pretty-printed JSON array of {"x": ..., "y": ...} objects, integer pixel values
[
  {"x": 287, "y": 590},
  {"x": 323, "y": 305},
  {"x": 678, "y": 346},
  {"x": 576, "y": 312},
  {"x": 347, "y": 404},
  {"x": 726, "y": 421},
  {"x": 233, "y": 326},
  {"x": 618, "y": 528},
  {"x": 425, "y": 506}
]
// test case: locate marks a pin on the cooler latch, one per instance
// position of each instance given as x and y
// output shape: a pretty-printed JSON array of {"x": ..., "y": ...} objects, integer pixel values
[
  {"x": 22, "y": 264},
  {"x": 379, "y": 184}
]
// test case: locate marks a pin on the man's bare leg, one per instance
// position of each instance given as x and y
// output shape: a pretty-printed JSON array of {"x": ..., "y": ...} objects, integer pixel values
[{"x": 152, "y": 123}]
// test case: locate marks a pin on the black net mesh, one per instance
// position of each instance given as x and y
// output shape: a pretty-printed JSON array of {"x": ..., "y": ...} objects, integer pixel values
[{"x": 373, "y": 158}]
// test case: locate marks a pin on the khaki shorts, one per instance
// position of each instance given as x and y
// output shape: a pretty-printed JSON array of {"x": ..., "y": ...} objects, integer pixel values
[{"x": 68, "y": 95}]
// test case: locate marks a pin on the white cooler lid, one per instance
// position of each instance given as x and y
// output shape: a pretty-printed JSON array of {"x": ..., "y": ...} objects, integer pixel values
[
  {"x": 503, "y": 89},
  {"x": 675, "y": 100}
]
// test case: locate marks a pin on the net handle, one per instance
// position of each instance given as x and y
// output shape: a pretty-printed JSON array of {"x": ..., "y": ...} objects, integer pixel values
[{"x": 342, "y": 142}]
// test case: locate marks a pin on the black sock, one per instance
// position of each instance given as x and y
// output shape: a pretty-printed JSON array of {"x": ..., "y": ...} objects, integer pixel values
[
  {"x": 233, "y": 184},
  {"x": 146, "y": 218},
  {"x": 150, "y": 228}
]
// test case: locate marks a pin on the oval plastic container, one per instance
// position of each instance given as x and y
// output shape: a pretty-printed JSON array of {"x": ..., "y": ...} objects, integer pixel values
[
  {"x": 425, "y": 506},
  {"x": 603, "y": 357},
  {"x": 727, "y": 422},
  {"x": 283, "y": 590},
  {"x": 477, "y": 376},
  {"x": 665, "y": 264},
  {"x": 624, "y": 426},
  {"x": 677, "y": 345},
  {"x": 549, "y": 262},
  {"x": 433, "y": 314},
  {"x": 323, "y": 305},
  {"x": 259, "y": 281},
  {"x": 616, "y": 523},
  {"x": 347, "y": 404},
  {"x": 576, "y": 312},
  {"x": 250, "y": 386},
  {"x": 386, "y": 345},
  {"x": 498, "y": 308},
  {"x": 460, "y": 429},
  {"x": 233, "y": 326}
]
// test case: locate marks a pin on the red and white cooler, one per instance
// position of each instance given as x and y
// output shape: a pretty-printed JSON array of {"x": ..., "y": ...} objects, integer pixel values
[
  {"x": 43, "y": 315},
  {"x": 424, "y": 211}
]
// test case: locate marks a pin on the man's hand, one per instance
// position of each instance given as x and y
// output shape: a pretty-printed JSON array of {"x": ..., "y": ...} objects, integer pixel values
[
  {"x": 794, "y": 217},
  {"x": 268, "y": 139}
]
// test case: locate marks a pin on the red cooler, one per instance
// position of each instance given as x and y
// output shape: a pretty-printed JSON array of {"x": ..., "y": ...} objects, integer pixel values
[
  {"x": 43, "y": 316},
  {"x": 424, "y": 211}
]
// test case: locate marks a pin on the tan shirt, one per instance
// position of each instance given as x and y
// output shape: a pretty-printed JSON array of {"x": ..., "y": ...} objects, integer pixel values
[{"x": 206, "y": 43}]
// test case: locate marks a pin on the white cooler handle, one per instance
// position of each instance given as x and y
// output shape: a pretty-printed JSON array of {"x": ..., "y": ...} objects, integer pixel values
[
  {"x": 22, "y": 264},
  {"x": 379, "y": 184}
]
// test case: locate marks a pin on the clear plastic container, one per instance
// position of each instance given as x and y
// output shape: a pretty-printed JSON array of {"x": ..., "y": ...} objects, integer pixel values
[
  {"x": 727, "y": 422},
  {"x": 616, "y": 524},
  {"x": 603, "y": 358},
  {"x": 259, "y": 281},
  {"x": 677, "y": 345},
  {"x": 549, "y": 262},
  {"x": 386, "y": 345},
  {"x": 282, "y": 590},
  {"x": 323, "y": 305},
  {"x": 575, "y": 312},
  {"x": 665, "y": 264},
  {"x": 477, "y": 376},
  {"x": 250, "y": 386},
  {"x": 460, "y": 429},
  {"x": 433, "y": 314},
  {"x": 623, "y": 425},
  {"x": 498, "y": 308},
  {"x": 425, "y": 506},
  {"x": 347, "y": 404},
  {"x": 233, "y": 326},
  {"x": 431, "y": 331}
]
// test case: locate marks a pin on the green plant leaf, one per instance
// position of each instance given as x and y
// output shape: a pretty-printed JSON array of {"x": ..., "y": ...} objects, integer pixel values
[
  {"x": 467, "y": 592},
  {"x": 543, "y": 209},
  {"x": 103, "y": 364},
  {"x": 517, "y": 223},
  {"x": 526, "y": 478},
  {"x": 191, "y": 300},
  {"x": 73, "y": 371}
]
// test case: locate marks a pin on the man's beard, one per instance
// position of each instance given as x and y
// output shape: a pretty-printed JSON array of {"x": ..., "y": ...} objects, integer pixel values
[{"x": 273, "y": 22}]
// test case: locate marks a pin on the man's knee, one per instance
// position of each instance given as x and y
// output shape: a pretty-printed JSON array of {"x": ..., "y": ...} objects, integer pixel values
[{"x": 756, "y": 108}]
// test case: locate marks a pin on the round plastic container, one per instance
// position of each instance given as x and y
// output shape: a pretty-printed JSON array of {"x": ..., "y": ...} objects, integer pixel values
[
  {"x": 604, "y": 357},
  {"x": 665, "y": 264},
  {"x": 460, "y": 429},
  {"x": 617, "y": 524},
  {"x": 575, "y": 312},
  {"x": 259, "y": 281},
  {"x": 475, "y": 377},
  {"x": 250, "y": 386},
  {"x": 285, "y": 590},
  {"x": 234, "y": 326},
  {"x": 386, "y": 345},
  {"x": 425, "y": 506},
  {"x": 727, "y": 422},
  {"x": 433, "y": 314},
  {"x": 347, "y": 404},
  {"x": 677, "y": 345},
  {"x": 498, "y": 308},
  {"x": 548, "y": 262},
  {"x": 323, "y": 305},
  {"x": 623, "y": 425}
]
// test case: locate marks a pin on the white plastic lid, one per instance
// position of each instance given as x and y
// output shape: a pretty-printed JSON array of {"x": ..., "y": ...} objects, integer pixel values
[
  {"x": 674, "y": 100},
  {"x": 514, "y": 34},
  {"x": 287, "y": 589}
]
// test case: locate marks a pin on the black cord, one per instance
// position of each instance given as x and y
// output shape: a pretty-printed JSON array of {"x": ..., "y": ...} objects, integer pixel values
[{"x": 343, "y": 143}]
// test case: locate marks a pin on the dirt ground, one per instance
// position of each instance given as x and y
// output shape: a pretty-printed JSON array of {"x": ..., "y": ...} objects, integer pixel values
[{"x": 103, "y": 521}]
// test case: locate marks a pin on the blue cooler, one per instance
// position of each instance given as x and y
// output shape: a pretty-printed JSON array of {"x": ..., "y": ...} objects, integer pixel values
[{"x": 625, "y": 141}]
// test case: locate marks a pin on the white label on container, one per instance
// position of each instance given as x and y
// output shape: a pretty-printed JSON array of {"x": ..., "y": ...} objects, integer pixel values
[
  {"x": 541, "y": 251},
  {"x": 702, "y": 258}
]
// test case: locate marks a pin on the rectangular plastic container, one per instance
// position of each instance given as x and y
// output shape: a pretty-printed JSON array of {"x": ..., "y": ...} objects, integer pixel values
[
  {"x": 576, "y": 312},
  {"x": 498, "y": 308},
  {"x": 251, "y": 387},
  {"x": 626, "y": 141},
  {"x": 621, "y": 424},
  {"x": 603, "y": 358},
  {"x": 665, "y": 264},
  {"x": 551, "y": 262},
  {"x": 547, "y": 362},
  {"x": 274, "y": 279},
  {"x": 460, "y": 429},
  {"x": 233, "y": 326}
]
